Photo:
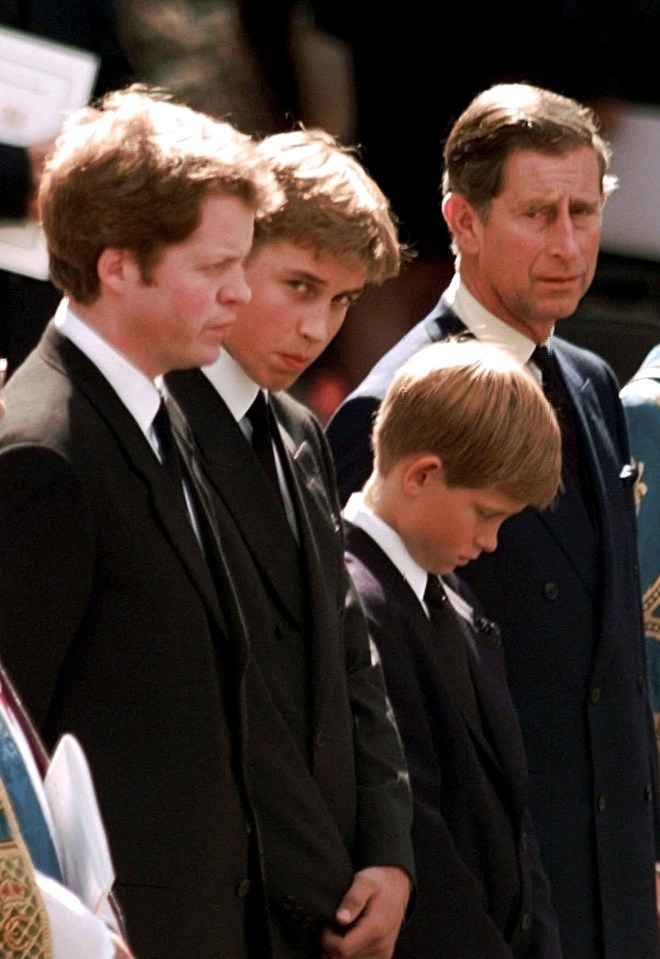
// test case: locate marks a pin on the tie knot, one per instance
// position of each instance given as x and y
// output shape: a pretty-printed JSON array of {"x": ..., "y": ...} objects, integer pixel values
[
  {"x": 258, "y": 415},
  {"x": 434, "y": 594},
  {"x": 169, "y": 454}
]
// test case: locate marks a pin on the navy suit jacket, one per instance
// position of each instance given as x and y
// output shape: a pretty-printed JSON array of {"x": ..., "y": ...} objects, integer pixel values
[
  {"x": 481, "y": 888},
  {"x": 565, "y": 592}
]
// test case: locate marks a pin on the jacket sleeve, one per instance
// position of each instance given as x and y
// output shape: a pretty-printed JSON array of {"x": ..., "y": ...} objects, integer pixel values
[{"x": 47, "y": 567}]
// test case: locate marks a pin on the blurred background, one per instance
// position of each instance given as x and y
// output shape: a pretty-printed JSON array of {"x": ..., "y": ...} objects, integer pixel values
[{"x": 391, "y": 82}]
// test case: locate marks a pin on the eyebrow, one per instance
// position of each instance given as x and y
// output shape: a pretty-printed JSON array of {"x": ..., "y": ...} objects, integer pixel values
[{"x": 318, "y": 281}]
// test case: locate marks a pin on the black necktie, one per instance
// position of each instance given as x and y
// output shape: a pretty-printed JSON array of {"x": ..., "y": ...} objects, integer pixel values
[
  {"x": 169, "y": 453},
  {"x": 451, "y": 647},
  {"x": 175, "y": 465},
  {"x": 555, "y": 391},
  {"x": 259, "y": 416}
]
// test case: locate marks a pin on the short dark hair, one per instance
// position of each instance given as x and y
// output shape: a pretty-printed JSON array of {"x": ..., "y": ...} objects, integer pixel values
[{"x": 515, "y": 116}]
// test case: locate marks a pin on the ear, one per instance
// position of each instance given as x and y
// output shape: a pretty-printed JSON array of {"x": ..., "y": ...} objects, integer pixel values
[
  {"x": 115, "y": 267},
  {"x": 463, "y": 222},
  {"x": 419, "y": 471}
]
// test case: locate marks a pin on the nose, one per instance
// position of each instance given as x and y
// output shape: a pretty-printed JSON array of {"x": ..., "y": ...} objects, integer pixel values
[
  {"x": 234, "y": 288},
  {"x": 314, "y": 325},
  {"x": 563, "y": 240},
  {"x": 486, "y": 539}
]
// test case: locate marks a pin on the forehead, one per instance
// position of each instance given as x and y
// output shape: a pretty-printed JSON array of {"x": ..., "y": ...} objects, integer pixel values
[
  {"x": 494, "y": 501},
  {"x": 281, "y": 257},
  {"x": 529, "y": 173}
]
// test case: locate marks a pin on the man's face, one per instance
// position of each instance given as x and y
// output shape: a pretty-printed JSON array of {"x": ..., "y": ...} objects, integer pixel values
[
  {"x": 535, "y": 256},
  {"x": 452, "y": 525},
  {"x": 299, "y": 302},
  {"x": 180, "y": 317}
]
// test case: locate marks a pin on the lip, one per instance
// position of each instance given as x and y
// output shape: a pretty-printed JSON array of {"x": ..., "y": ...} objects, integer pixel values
[
  {"x": 561, "y": 280},
  {"x": 294, "y": 361},
  {"x": 221, "y": 325}
]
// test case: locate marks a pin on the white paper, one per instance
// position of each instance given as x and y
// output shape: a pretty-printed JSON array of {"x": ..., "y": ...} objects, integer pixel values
[
  {"x": 40, "y": 83},
  {"x": 79, "y": 833}
]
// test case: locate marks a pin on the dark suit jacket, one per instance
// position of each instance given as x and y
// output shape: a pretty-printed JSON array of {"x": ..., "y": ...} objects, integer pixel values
[
  {"x": 327, "y": 783},
  {"x": 481, "y": 888},
  {"x": 112, "y": 629},
  {"x": 567, "y": 599}
]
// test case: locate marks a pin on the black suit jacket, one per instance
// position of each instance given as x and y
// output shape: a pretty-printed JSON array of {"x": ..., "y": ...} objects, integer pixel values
[
  {"x": 481, "y": 888},
  {"x": 327, "y": 778},
  {"x": 565, "y": 592},
  {"x": 112, "y": 629}
]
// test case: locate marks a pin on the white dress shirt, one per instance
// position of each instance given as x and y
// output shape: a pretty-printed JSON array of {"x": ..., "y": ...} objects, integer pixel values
[
  {"x": 357, "y": 513},
  {"x": 239, "y": 391}
]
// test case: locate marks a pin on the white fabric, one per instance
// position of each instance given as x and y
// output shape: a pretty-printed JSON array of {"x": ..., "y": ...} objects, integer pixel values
[
  {"x": 137, "y": 392},
  {"x": 76, "y": 933},
  {"x": 239, "y": 392},
  {"x": 357, "y": 513}
]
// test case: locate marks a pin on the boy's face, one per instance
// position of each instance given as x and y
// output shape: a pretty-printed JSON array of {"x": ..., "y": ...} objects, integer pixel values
[
  {"x": 451, "y": 525},
  {"x": 299, "y": 302}
]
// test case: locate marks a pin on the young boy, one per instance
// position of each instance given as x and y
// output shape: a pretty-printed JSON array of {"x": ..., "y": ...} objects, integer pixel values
[
  {"x": 464, "y": 439},
  {"x": 326, "y": 772}
]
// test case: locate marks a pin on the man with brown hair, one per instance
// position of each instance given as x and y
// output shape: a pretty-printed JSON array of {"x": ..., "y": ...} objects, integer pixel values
[
  {"x": 525, "y": 181},
  {"x": 118, "y": 619}
]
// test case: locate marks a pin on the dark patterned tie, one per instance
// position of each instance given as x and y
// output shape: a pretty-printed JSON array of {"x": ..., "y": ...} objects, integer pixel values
[{"x": 556, "y": 393}]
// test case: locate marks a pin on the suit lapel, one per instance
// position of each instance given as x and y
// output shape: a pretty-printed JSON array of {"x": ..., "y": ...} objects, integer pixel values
[
  {"x": 568, "y": 520},
  {"x": 319, "y": 539},
  {"x": 167, "y": 506},
  {"x": 233, "y": 471}
]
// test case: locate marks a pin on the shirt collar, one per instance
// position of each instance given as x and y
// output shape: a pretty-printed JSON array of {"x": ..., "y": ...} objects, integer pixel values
[
  {"x": 138, "y": 393},
  {"x": 485, "y": 326},
  {"x": 390, "y": 542},
  {"x": 233, "y": 384}
]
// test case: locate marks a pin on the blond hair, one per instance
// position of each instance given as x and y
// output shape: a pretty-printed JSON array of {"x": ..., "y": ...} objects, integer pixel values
[
  {"x": 331, "y": 204},
  {"x": 481, "y": 413},
  {"x": 132, "y": 172}
]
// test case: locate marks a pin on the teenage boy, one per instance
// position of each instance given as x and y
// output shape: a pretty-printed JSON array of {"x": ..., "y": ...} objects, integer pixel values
[
  {"x": 464, "y": 439},
  {"x": 328, "y": 783}
]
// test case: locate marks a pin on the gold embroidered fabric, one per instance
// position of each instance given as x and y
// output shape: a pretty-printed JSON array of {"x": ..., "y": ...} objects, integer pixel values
[{"x": 24, "y": 931}]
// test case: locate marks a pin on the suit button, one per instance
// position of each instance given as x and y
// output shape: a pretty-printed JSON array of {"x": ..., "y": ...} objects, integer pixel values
[
  {"x": 243, "y": 888},
  {"x": 601, "y": 803},
  {"x": 526, "y": 922},
  {"x": 551, "y": 591},
  {"x": 594, "y": 696}
]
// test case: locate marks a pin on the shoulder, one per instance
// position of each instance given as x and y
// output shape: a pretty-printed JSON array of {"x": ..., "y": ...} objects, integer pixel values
[
  {"x": 377, "y": 580},
  {"x": 586, "y": 363},
  {"x": 436, "y": 325}
]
